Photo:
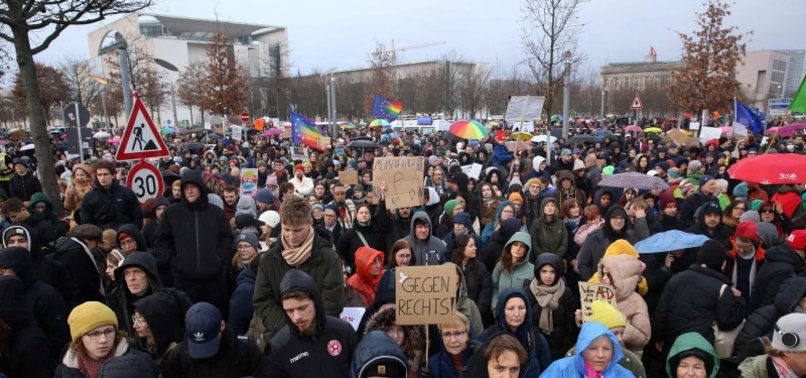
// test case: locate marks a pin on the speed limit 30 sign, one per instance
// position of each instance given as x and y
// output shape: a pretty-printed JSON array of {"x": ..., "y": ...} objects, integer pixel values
[{"x": 145, "y": 180}]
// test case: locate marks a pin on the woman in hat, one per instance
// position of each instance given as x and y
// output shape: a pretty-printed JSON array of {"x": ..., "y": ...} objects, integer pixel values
[
  {"x": 95, "y": 339},
  {"x": 81, "y": 184},
  {"x": 692, "y": 356}
]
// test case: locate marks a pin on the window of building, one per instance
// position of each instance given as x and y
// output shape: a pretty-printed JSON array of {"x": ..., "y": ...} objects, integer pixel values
[
  {"x": 244, "y": 39},
  {"x": 151, "y": 30}
]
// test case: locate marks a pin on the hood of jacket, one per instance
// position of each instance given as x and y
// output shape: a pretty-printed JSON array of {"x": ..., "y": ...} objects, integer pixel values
[
  {"x": 790, "y": 293},
  {"x": 12, "y": 306},
  {"x": 144, "y": 261},
  {"x": 33, "y": 240},
  {"x": 165, "y": 317},
  {"x": 500, "y": 318},
  {"x": 768, "y": 234},
  {"x": 548, "y": 259},
  {"x": 364, "y": 256},
  {"x": 545, "y": 202},
  {"x": 613, "y": 211},
  {"x": 598, "y": 195},
  {"x": 524, "y": 238},
  {"x": 296, "y": 279},
  {"x": 194, "y": 177},
  {"x": 565, "y": 175},
  {"x": 500, "y": 208},
  {"x": 691, "y": 341},
  {"x": 625, "y": 272},
  {"x": 376, "y": 348},
  {"x": 591, "y": 331},
  {"x": 40, "y": 197},
  {"x": 783, "y": 253},
  {"x": 423, "y": 216},
  {"x": 20, "y": 260},
  {"x": 133, "y": 231},
  {"x": 536, "y": 161}
]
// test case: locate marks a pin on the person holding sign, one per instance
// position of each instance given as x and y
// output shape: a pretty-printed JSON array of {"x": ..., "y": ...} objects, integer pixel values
[{"x": 597, "y": 351}]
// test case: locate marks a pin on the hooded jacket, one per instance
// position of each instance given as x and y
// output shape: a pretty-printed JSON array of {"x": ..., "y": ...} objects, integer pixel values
[
  {"x": 195, "y": 237},
  {"x": 165, "y": 314},
  {"x": 491, "y": 252},
  {"x": 412, "y": 344},
  {"x": 110, "y": 207},
  {"x": 431, "y": 251},
  {"x": 780, "y": 263},
  {"x": 561, "y": 195},
  {"x": 236, "y": 357},
  {"x": 521, "y": 273},
  {"x": 574, "y": 366},
  {"x": 324, "y": 266},
  {"x": 530, "y": 338},
  {"x": 549, "y": 236},
  {"x": 26, "y": 354},
  {"x": 376, "y": 348},
  {"x": 595, "y": 245},
  {"x": 625, "y": 272},
  {"x": 565, "y": 330},
  {"x": 23, "y": 187},
  {"x": 121, "y": 300},
  {"x": 363, "y": 282},
  {"x": 42, "y": 301},
  {"x": 326, "y": 352},
  {"x": 59, "y": 228},
  {"x": 81, "y": 266},
  {"x": 133, "y": 231},
  {"x": 691, "y": 341},
  {"x": 721, "y": 232}
]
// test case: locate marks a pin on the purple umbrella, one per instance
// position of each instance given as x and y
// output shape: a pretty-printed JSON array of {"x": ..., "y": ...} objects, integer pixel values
[
  {"x": 634, "y": 180},
  {"x": 272, "y": 131},
  {"x": 790, "y": 129}
]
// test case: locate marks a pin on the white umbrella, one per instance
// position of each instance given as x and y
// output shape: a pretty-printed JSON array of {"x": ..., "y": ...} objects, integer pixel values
[
  {"x": 27, "y": 147},
  {"x": 101, "y": 135},
  {"x": 542, "y": 138}
]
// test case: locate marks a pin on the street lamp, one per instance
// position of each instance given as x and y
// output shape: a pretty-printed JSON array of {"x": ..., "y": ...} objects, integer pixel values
[
  {"x": 103, "y": 82},
  {"x": 170, "y": 67},
  {"x": 567, "y": 93},
  {"x": 601, "y": 110},
  {"x": 330, "y": 90}
]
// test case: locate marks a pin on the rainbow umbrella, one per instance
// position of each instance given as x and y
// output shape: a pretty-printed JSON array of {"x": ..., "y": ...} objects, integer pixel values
[
  {"x": 380, "y": 122},
  {"x": 346, "y": 125},
  {"x": 468, "y": 129}
]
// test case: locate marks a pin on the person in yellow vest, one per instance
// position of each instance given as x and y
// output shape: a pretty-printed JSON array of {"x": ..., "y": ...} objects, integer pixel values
[{"x": 6, "y": 170}]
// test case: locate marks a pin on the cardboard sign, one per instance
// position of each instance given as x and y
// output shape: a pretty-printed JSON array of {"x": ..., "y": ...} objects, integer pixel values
[
  {"x": 590, "y": 292},
  {"x": 677, "y": 136},
  {"x": 348, "y": 177},
  {"x": 324, "y": 142},
  {"x": 472, "y": 170},
  {"x": 404, "y": 180},
  {"x": 248, "y": 182},
  {"x": 425, "y": 294},
  {"x": 353, "y": 316}
]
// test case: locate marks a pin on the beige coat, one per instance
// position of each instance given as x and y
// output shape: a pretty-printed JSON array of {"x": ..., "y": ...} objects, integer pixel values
[{"x": 626, "y": 273}]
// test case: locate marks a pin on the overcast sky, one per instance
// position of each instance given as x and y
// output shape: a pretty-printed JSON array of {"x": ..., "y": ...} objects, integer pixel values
[{"x": 324, "y": 34}]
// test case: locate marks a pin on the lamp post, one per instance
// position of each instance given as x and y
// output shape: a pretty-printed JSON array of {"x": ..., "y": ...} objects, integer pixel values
[
  {"x": 103, "y": 82},
  {"x": 330, "y": 91},
  {"x": 566, "y": 93},
  {"x": 172, "y": 68},
  {"x": 601, "y": 109}
]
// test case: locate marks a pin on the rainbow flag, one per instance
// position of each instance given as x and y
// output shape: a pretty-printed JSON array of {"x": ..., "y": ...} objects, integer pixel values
[
  {"x": 385, "y": 108},
  {"x": 304, "y": 131}
]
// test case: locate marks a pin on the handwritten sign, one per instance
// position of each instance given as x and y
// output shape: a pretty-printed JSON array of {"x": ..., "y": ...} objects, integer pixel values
[
  {"x": 404, "y": 180},
  {"x": 248, "y": 182},
  {"x": 214, "y": 184},
  {"x": 236, "y": 132},
  {"x": 425, "y": 294},
  {"x": 348, "y": 177},
  {"x": 324, "y": 142},
  {"x": 677, "y": 136},
  {"x": 353, "y": 316},
  {"x": 472, "y": 170},
  {"x": 590, "y": 292}
]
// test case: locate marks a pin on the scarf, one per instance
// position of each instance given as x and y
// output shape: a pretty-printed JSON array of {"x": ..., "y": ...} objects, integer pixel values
[
  {"x": 591, "y": 373},
  {"x": 296, "y": 256},
  {"x": 90, "y": 367},
  {"x": 782, "y": 368},
  {"x": 548, "y": 297}
]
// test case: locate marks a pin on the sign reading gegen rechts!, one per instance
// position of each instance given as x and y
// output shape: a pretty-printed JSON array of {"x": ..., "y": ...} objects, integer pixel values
[{"x": 425, "y": 294}]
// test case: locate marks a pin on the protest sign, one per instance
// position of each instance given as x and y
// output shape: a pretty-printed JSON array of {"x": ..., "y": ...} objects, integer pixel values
[
  {"x": 324, "y": 142},
  {"x": 214, "y": 184},
  {"x": 694, "y": 126},
  {"x": 348, "y": 177},
  {"x": 677, "y": 136},
  {"x": 299, "y": 154},
  {"x": 404, "y": 180},
  {"x": 248, "y": 182},
  {"x": 353, "y": 316},
  {"x": 590, "y": 292},
  {"x": 708, "y": 133},
  {"x": 425, "y": 294},
  {"x": 236, "y": 132},
  {"x": 472, "y": 170}
]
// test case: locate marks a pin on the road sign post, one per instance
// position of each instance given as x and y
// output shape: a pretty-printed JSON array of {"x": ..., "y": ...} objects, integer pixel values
[
  {"x": 636, "y": 105},
  {"x": 145, "y": 180},
  {"x": 245, "y": 117}
]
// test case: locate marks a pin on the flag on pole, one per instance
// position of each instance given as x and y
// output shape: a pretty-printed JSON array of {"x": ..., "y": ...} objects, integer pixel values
[
  {"x": 799, "y": 100},
  {"x": 304, "y": 131},
  {"x": 745, "y": 118},
  {"x": 652, "y": 52},
  {"x": 385, "y": 108}
]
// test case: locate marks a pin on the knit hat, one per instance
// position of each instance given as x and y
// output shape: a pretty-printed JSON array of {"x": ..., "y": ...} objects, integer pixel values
[
  {"x": 450, "y": 205},
  {"x": 608, "y": 170},
  {"x": 298, "y": 167},
  {"x": 249, "y": 237},
  {"x": 797, "y": 240},
  {"x": 704, "y": 179},
  {"x": 620, "y": 247},
  {"x": 711, "y": 207},
  {"x": 754, "y": 205},
  {"x": 265, "y": 196},
  {"x": 712, "y": 254},
  {"x": 578, "y": 164},
  {"x": 246, "y": 220},
  {"x": 751, "y": 216},
  {"x": 747, "y": 230},
  {"x": 673, "y": 173},
  {"x": 665, "y": 199},
  {"x": 318, "y": 206},
  {"x": 462, "y": 218},
  {"x": 271, "y": 180},
  {"x": 605, "y": 313},
  {"x": 565, "y": 152},
  {"x": 15, "y": 230},
  {"x": 740, "y": 190},
  {"x": 271, "y": 218},
  {"x": 88, "y": 316},
  {"x": 790, "y": 333},
  {"x": 509, "y": 227},
  {"x": 515, "y": 197}
]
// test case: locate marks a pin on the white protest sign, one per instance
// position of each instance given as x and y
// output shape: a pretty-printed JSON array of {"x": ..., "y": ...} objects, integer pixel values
[
  {"x": 353, "y": 316},
  {"x": 708, "y": 133},
  {"x": 236, "y": 132},
  {"x": 472, "y": 170}
]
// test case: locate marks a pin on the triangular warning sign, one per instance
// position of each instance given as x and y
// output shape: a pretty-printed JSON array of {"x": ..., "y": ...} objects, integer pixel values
[
  {"x": 636, "y": 103},
  {"x": 141, "y": 138}
]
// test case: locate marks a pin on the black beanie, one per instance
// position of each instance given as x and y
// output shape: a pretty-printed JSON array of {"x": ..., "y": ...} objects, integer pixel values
[{"x": 712, "y": 255}]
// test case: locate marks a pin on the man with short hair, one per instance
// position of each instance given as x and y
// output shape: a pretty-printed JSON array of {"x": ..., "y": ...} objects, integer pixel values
[
  {"x": 299, "y": 247},
  {"x": 709, "y": 223},
  {"x": 210, "y": 349},
  {"x": 108, "y": 204},
  {"x": 17, "y": 213},
  {"x": 311, "y": 343},
  {"x": 427, "y": 249},
  {"x": 230, "y": 201}
]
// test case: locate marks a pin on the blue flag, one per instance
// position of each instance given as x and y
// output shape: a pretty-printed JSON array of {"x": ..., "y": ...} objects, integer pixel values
[
  {"x": 746, "y": 118},
  {"x": 384, "y": 108}
]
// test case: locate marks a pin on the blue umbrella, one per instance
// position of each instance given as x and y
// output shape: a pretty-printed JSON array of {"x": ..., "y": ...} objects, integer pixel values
[{"x": 670, "y": 241}]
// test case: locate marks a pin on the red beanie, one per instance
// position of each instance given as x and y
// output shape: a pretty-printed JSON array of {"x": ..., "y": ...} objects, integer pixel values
[
  {"x": 797, "y": 240},
  {"x": 299, "y": 167},
  {"x": 747, "y": 230}
]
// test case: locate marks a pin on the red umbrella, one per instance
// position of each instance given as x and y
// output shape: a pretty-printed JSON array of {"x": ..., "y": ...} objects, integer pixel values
[
  {"x": 634, "y": 128},
  {"x": 771, "y": 169}
]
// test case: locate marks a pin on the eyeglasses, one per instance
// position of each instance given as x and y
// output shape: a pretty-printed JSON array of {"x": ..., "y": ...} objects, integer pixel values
[
  {"x": 138, "y": 319},
  {"x": 453, "y": 335},
  {"x": 94, "y": 336}
]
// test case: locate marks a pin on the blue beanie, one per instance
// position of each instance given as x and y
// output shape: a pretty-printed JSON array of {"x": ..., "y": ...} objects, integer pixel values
[
  {"x": 705, "y": 179},
  {"x": 740, "y": 190},
  {"x": 265, "y": 196}
]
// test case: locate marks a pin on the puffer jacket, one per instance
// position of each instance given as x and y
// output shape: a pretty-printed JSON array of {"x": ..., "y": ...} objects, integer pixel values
[
  {"x": 110, "y": 207},
  {"x": 625, "y": 271},
  {"x": 549, "y": 236},
  {"x": 780, "y": 262},
  {"x": 519, "y": 275}
]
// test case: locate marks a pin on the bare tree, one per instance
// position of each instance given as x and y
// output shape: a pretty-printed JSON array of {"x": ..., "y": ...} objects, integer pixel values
[
  {"x": 382, "y": 83},
  {"x": 187, "y": 87},
  {"x": 49, "y": 19},
  {"x": 550, "y": 30},
  {"x": 711, "y": 56},
  {"x": 81, "y": 87},
  {"x": 472, "y": 84}
]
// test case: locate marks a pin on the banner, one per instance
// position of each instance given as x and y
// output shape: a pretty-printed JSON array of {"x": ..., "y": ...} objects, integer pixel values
[{"x": 425, "y": 294}]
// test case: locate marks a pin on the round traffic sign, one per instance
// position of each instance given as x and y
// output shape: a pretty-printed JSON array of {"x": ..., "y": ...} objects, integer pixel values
[
  {"x": 245, "y": 117},
  {"x": 145, "y": 180}
]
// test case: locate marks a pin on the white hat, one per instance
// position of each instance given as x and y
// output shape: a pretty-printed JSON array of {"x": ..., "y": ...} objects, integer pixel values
[
  {"x": 271, "y": 218},
  {"x": 790, "y": 333}
]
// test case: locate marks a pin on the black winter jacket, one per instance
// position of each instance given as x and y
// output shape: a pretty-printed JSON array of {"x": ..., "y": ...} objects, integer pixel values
[
  {"x": 27, "y": 353},
  {"x": 237, "y": 357},
  {"x": 23, "y": 187},
  {"x": 110, "y": 207},
  {"x": 780, "y": 263},
  {"x": 479, "y": 284},
  {"x": 81, "y": 266}
]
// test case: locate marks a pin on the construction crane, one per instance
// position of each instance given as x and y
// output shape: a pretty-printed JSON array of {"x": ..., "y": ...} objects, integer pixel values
[{"x": 394, "y": 50}]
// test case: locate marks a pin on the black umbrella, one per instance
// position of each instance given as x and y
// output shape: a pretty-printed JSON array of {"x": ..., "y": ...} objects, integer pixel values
[
  {"x": 362, "y": 142},
  {"x": 191, "y": 146}
]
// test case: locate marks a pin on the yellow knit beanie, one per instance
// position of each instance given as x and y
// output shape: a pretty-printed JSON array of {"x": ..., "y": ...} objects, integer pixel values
[
  {"x": 88, "y": 316},
  {"x": 620, "y": 247},
  {"x": 605, "y": 313}
]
